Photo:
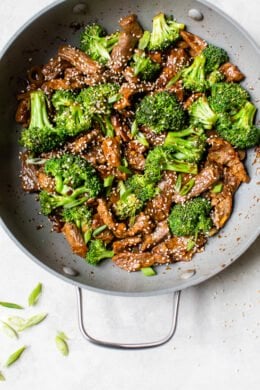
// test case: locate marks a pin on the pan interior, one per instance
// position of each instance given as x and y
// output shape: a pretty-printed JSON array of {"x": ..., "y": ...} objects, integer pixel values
[{"x": 35, "y": 44}]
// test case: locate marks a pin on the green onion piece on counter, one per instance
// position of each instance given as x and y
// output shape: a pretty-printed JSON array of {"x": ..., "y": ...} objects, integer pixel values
[
  {"x": 217, "y": 188},
  {"x": 15, "y": 356},
  {"x": 34, "y": 295},
  {"x": 2, "y": 378},
  {"x": 61, "y": 343},
  {"x": 21, "y": 324},
  {"x": 108, "y": 181},
  {"x": 99, "y": 230},
  {"x": 11, "y": 305},
  {"x": 190, "y": 245},
  {"x": 9, "y": 330},
  {"x": 148, "y": 271},
  {"x": 187, "y": 187}
]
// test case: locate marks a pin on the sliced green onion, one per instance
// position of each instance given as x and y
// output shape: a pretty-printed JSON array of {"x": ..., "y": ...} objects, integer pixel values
[
  {"x": 99, "y": 230},
  {"x": 190, "y": 245},
  {"x": 2, "y": 378},
  {"x": 108, "y": 181},
  {"x": 87, "y": 236},
  {"x": 9, "y": 331},
  {"x": 36, "y": 160},
  {"x": 144, "y": 40},
  {"x": 61, "y": 343},
  {"x": 114, "y": 98},
  {"x": 123, "y": 169},
  {"x": 141, "y": 138},
  {"x": 21, "y": 324},
  {"x": 217, "y": 188},
  {"x": 148, "y": 271},
  {"x": 134, "y": 128},
  {"x": 11, "y": 305},
  {"x": 187, "y": 187},
  {"x": 178, "y": 183},
  {"x": 34, "y": 295},
  {"x": 15, "y": 356},
  {"x": 173, "y": 80}
]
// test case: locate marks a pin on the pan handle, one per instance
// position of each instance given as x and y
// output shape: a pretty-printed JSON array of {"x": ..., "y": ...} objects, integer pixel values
[{"x": 109, "y": 344}]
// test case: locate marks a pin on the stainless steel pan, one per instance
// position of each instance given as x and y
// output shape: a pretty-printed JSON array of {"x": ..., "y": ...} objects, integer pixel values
[{"x": 35, "y": 43}]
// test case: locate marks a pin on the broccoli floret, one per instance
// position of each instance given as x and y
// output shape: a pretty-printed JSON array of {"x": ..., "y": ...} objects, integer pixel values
[
  {"x": 75, "y": 182},
  {"x": 160, "y": 112},
  {"x": 188, "y": 145},
  {"x": 41, "y": 136},
  {"x": 239, "y": 129},
  {"x": 144, "y": 67},
  {"x": 81, "y": 216},
  {"x": 133, "y": 194},
  {"x": 165, "y": 31},
  {"x": 128, "y": 206},
  {"x": 215, "y": 77},
  {"x": 97, "y": 44},
  {"x": 227, "y": 97},
  {"x": 142, "y": 187},
  {"x": 69, "y": 113},
  {"x": 190, "y": 218},
  {"x": 98, "y": 103},
  {"x": 97, "y": 252},
  {"x": 215, "y": 56},
  {"x": 161, "y": 159},
  {"x": 201, "y": 114},
  {"x": 193, "y": 77}
]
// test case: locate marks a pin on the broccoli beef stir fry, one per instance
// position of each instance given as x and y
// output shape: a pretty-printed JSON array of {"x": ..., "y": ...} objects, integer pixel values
[{"x": 134, "y": 140}]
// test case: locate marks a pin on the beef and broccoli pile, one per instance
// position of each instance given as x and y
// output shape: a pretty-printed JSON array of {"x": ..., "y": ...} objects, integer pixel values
[{"x": 135, "y": 142}]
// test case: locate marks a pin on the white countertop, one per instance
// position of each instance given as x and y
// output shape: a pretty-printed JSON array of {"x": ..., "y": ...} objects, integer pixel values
[{"x": 217, "y": 342}]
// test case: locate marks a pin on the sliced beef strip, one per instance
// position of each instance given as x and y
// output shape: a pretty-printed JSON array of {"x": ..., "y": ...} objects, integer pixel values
[
  {"x": 142, "y": 224},
  {"x": 29, "y": 174},
  {"x": 80, "y": 143},
  {"x": 54, "y": 67},
  {"x": 134, "y": 153},
  {"x": 222, "y": 204},
  {"x": 111, "y": 150},
  {"x": 120, "y": 245},
  {"x": 45, "y": 182},
  {"x": 75, "y": 239},
  {"x": 121, "y": 128},
  {"x": 153, "y": 138},
  {"x": 81, "y": 61},
  {"x": 204, "y": 180},
  {"x": 127, "y": 91},
  {"x": 128, "y": 39},
  {"x": 178, "y": 90},
  {"x": 135, "y": 261},
  {"x": 196, "y": 43},
  {"x": 222, "y": 153},
  {"x": 176, "y": 60},
  {"x": 159, "y": 207},
  {"x": 160, "y": 233},
  {"x": 57, "y": 84},
  {"x": 176, "y": 248},
  {"x": 23, "y": 112},
  {"x": 231, "y": 72},
  {"x": 118, "y": 229},
  {"x": 191, "y": 99}
]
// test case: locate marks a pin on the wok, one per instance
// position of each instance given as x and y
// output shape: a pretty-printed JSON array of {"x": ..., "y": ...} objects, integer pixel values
[{"x": 35, "y": 43}]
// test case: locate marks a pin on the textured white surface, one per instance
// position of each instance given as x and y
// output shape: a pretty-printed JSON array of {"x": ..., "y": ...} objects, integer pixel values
[{"x": 217, "y": 342}]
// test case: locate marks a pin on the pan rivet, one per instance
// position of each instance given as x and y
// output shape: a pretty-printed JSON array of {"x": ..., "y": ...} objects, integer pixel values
[
  {"x": 80, "y": 8},
  {"x": 195, "y": 14},
  {"x": 188, "y": 274},
  {"x": 70, "y": 271}
]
